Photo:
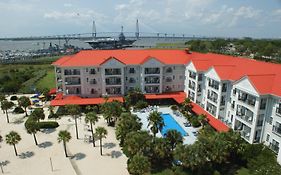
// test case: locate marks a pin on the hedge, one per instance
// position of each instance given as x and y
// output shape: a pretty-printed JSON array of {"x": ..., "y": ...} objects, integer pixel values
[
  {"x": 42, "y": 125},
  {"x": 48, "y": 125}
]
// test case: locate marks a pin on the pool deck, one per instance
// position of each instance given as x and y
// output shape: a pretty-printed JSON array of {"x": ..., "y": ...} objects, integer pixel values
[{"x": 190, "y": 139}]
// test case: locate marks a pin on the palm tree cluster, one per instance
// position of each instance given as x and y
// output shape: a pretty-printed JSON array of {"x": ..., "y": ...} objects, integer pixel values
[
  {"x": 211, "y": 150},
  {"x": 111, "y": 111},
  {"x": 145, "y": 151}
]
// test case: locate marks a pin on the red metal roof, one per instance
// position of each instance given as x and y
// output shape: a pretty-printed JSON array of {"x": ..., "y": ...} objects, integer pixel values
[
  {"x": 52, "y": 91},
  {"x": 179, "y": 97},
  {"x": 61, "y": 101},
  {"x": 215, "y": 123},
  {"x": 227, "y": 67}
]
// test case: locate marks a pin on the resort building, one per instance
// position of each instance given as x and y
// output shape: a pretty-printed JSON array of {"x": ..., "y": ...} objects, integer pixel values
[{"x": 238, "y": 93}]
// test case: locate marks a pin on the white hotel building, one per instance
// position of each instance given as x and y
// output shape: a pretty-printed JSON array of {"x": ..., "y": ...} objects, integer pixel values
[{"x": 242, "y": 93}]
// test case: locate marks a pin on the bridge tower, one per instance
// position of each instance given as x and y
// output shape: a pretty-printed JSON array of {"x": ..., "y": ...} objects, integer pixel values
[
  {"x": 94, "y": 31},
  {"x": 137, "y": 29}
]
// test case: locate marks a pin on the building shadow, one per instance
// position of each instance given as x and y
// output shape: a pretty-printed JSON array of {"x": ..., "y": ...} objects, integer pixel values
[
  {"x": 115, "y": 154},
  {"x": 109, "y": 145},
  {"x": 78, "y": 156},
  {"x": 45, "y": 144},
  {"x": 26, "y": 155}
]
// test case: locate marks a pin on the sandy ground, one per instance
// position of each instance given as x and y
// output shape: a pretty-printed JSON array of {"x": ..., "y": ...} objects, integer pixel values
[{"x": 85, "y": 159}]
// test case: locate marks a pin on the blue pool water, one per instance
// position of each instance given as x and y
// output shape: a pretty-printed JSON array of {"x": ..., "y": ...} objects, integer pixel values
[{"x": 171, "y": 123}]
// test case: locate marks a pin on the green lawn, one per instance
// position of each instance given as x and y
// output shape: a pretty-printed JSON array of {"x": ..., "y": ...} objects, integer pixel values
[{"x": 47, "y": 81}]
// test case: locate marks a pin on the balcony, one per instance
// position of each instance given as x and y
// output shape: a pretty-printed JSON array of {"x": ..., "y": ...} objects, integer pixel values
[
  {"x": 278, "y": 111},
  {"x": 132, "y": 80},
  {"x": 72, "y": 72},
  {"x": 274, "y": 147},
  {"x": 152, "y": 80},
  {"x": 152, "y": 71},
  {"x": 92, "y": 71},
  {"x": 169, "y": 79},
  {"x": 72, "y": 81},
  {"x": 276, "y": 130},
  {"x": 113, "y": 81},
  {"x": 244, "y": 117},
  {"x": 191, "y": 86},
  {"x": 151, "y": 89},
  {"x": 245, "y": 134},
  {"x": 213, "y": 98},
  {"x": 132, "y": 71},
  {"x": 113, "y": 91},
  {"x": 112, "y": 71},
  {"x": 213, "y": 85},
  {"x": 192, "y": 75},
  {"x": 248, "y": 99},
  {"x": 93, "y": 81}
]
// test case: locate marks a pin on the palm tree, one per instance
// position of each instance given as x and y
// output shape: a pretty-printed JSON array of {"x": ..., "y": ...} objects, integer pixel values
[
  {"x": 173, "y": 138},
  {"x": 74, "y": 111},
  {"x": 38, "y": 113},
  {"x": 92, "y": 118},
  {"x": 64, "y": 136},
  {"x": 139, "y": 165},
  {"x": 32, "y": 127},
  {"x": 101, "y": 132},
  {"x": 202, "y": 118},
  {"x": 13, "y": 138},
  {"x": 2, "y": 98},
  {"x": 156, "y": 122},
  {"x": 24, "y": 102},
  {"x": 5, "y": 105},
  {"x": 187, "y": 105}
]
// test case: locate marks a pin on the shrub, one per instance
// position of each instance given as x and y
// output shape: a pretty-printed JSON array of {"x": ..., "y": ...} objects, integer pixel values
[
  {"x": 141, "y": 105},
  {"x": 195, "y": 123},
  {"x": 48, "y": 125},
  {"x": 18, "y": 110},
  {"x": 174, "y": 107},
  {"x": 14, "y": 98}
]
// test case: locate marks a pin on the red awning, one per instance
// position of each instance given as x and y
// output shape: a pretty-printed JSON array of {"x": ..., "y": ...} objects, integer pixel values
[
  {"x": 215, "y": 123},
  {"x": 52, "y": 91},
  {"x": 61, "y": 101},
  {"x": 177, "y": 96}
]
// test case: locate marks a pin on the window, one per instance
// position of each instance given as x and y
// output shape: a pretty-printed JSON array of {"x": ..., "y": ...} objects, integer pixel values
[
  {"x": 86, "y": 69},
  {"x": 224, "y": 87},
  {"x": 132, "y": 70},
  {"x": 267, "y": 137},
  {"x": 169, "y": 70},
  {"x": 92, "y": 71},
  {"x": 180, "y": 77},
  {"x": 173, "y": 77},
  {"x": 200, "y": 77}
]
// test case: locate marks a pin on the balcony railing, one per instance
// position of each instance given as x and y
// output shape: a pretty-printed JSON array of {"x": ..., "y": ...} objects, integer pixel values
[
  {"x": 112, "y": 71},
  {"x": 212, "y": 98},
  {"x": 243, "y": 116},
  {"x": 191, "y": 86},
  {"x": 278, "y": 111},
  {"x": 276, "y": 130},
  {"x": 245, "y": 135},
  {"x": 152, "y": 80},
  {"x": 152, "y": 71},
  {"x": 72, "y": 72},
  {"x": 213, "y": 85}
]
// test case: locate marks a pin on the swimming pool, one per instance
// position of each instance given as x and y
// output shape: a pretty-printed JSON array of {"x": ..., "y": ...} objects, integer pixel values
[{"x": 171, "y": 123}]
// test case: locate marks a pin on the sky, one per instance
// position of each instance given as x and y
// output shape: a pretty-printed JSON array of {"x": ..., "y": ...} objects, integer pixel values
[{"x": 221, "y": 18}]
